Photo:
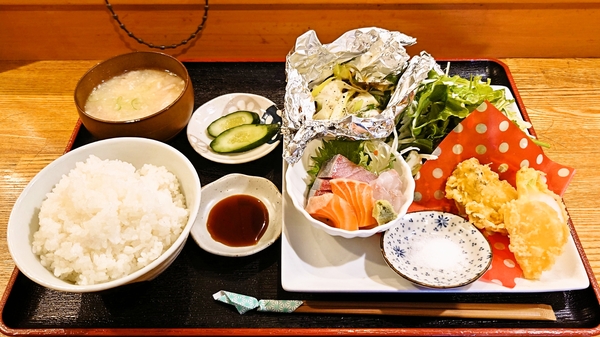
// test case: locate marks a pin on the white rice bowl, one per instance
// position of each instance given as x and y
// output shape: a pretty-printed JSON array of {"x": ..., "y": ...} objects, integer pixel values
[
  {"x": 108, "y": 213},
  {"x": 297, "y": 182}
]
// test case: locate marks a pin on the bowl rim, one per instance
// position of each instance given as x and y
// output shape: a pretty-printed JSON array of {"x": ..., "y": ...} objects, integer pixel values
[
  {"x": 187, "y": 84},
  {"x": 70, "y": 287},
  {"x": 361, "y": 233},
  {"x": 474, "y": 277}
]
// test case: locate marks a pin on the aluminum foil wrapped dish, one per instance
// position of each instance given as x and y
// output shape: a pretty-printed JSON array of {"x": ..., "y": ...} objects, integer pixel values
[{"x": 354, "y": 87}]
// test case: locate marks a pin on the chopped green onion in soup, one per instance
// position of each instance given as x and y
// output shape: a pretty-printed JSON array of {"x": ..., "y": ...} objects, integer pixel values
[{"x": 134, "y": 94}]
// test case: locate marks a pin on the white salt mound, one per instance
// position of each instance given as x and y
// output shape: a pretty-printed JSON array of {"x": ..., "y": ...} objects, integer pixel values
[{"x": 105, "y": 220}]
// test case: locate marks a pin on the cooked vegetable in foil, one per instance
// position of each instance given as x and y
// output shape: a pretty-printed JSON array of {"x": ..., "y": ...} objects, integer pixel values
[{"x": 348, "y": 88}]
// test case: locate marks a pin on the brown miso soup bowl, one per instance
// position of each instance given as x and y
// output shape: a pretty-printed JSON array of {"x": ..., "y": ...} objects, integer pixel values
[{"x": 161, "y": 125}]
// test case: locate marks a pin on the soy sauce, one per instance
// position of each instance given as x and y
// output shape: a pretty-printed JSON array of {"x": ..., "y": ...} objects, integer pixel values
[{"x": 237, "y": 221}]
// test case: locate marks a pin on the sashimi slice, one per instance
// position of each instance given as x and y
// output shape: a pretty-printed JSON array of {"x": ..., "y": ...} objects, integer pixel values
[
  {"x": 332, "y": 210},
  {"x": 360, "y": 195},
  {"x": 320, "y": 186},
  {"x": 342, "y": 167},
  {"x": 388, "y": 186}
]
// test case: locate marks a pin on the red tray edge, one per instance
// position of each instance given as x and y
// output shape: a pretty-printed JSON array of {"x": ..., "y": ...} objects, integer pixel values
[{"x": 319, "y": 331}]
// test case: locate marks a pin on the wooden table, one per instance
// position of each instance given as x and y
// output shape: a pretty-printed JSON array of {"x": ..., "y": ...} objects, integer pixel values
[{"x": 562, "y": 98}]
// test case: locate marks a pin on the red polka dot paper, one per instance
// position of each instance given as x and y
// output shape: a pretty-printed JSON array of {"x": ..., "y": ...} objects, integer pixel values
[
  {"x": 492, "y": 138},
  {"x": 504, "y": 269}
]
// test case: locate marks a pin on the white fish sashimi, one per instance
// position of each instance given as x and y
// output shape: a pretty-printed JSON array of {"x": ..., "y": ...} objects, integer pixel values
[{"x": 388, "y": 186}]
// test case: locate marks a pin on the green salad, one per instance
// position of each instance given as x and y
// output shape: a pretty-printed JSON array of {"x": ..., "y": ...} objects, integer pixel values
[{"x": 441, "y": 102}]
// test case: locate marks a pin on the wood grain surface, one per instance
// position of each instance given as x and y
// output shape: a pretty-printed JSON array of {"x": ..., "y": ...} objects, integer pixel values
[
  {"x": 267, "y": 29},
  {"x": 561, "y": 96}
]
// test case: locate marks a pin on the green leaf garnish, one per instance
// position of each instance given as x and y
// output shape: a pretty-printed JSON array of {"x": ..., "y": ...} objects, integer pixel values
[{"x": 351, "y": 149}]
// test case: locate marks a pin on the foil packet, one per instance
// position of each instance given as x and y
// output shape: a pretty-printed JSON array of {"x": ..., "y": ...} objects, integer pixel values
[{"x": 376, "y": 53}]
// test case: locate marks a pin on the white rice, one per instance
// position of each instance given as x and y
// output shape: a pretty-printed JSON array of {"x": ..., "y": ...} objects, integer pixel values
[{"x": 105, "y": 220}]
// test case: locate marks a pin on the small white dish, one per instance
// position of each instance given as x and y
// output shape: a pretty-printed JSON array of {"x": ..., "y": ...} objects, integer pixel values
[
  {"x": 234, "y": 184},
  {"x": 436, "y": 250},
  {"x": 218, "y": 107},
  {"x": 297, "y": 181}
]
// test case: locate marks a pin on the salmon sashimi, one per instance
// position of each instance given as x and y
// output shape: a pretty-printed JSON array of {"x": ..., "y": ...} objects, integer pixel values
[
  {"x": 338, "y": 167},
  {"x": 360, "y": 195},
  {"x": 332, "y": 210}
]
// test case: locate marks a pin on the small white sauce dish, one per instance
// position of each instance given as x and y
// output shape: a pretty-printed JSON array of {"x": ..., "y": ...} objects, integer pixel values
[
  {"x": 234, "y": 184},
  {"x": 436, "y": 250}
]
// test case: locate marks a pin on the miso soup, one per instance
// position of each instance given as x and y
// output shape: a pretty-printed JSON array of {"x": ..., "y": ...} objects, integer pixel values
[{"x": 134, "y": 94}]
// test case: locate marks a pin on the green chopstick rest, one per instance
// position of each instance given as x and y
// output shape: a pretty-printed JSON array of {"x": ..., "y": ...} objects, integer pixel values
[{"x": 244, "y": 303}]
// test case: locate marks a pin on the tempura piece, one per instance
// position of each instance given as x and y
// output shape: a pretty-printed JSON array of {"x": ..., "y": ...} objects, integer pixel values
[
  {"x": 479, "y": 193},
  {"x": 536, "y": 223}
]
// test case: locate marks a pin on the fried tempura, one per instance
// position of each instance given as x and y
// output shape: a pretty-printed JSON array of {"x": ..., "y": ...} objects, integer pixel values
[
  {"x": 534, "y": 217},
  {"x": 479, "y": 193},
  {"x": 536, "y": 223}
]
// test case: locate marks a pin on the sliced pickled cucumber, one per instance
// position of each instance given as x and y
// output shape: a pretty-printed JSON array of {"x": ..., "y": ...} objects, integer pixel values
[
  {"x": 232, "y": 120},
  {"x": 244, "y": 137}
]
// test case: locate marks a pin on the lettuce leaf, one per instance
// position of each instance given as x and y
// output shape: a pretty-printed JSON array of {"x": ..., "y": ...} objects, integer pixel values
[{"x": 441, "y": 103}]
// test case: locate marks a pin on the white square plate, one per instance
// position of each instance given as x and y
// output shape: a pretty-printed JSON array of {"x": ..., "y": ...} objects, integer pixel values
[{"x": 314, "y": 261}]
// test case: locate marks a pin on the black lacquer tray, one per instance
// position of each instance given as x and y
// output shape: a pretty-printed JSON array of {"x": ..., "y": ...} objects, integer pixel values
[{"x": 179, "y": 301}]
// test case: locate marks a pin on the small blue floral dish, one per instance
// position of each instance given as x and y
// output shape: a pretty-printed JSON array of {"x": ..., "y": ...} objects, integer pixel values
[{"x": 436, "y": 250}]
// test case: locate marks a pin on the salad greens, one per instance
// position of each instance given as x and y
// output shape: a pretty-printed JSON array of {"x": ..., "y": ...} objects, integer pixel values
[
  {"x": 374, "y": 155},
  {"x": 441, "y": 103}
]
